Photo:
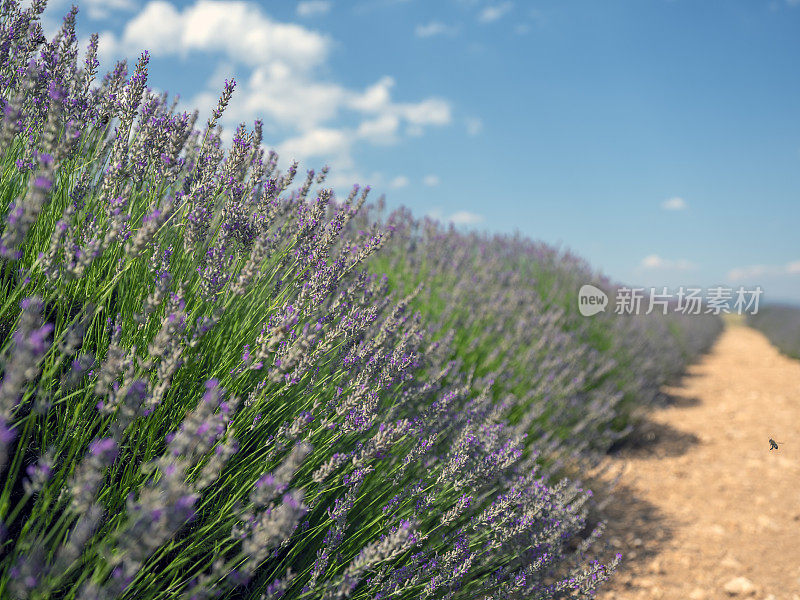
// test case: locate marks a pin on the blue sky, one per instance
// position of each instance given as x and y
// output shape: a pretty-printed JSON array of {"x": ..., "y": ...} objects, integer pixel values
[{"x": 658, "y": 139}]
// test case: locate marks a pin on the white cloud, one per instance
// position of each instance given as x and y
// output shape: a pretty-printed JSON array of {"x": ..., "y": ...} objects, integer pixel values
[
  {"x": 433, "y": 111},
  {"x": 654, "y": 261},
  {"x": 494, "y": 13},
  {"x": 157, "y": 29},
  {"x": 320, "y": 143},
  {"x": 375, "y": 98},
  {"x": 237, "y": 29},
  {"x": 755, "y": 271},
  {"x": 675, "y": 203},
  {"x": 474, "y": 125},
  {"x": 97, "y": 10},
  {"x": 430, "y": 180},
  {"x": 372, "y": 5},
  {"x": 313, "y": 8},
  {"x": 398, "y": 182},
  {"x": 742, "y": 273},
  {"x": 461, "y": 217},
  {"x": 522, "y": 28},
  {"x": 434, "y": 28},
  {"x": 282, "y": 68},
  {"x": 381, "y": 130},
  {"x": 464, "y": 217},
  {"x": 344, "y": 179},
  {"x": 101, "y": 9},
  {"x": 289, "y": 98}
]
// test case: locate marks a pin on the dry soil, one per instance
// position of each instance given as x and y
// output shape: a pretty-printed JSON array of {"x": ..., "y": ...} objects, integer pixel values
[{"x": 704, "y": 509}]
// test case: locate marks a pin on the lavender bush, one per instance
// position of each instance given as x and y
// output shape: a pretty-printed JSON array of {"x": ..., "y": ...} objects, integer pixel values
[
  {"x": 781, "y": 324},
  {"x": 206, "y": 395},
  {"x": 573, "y": 384}
]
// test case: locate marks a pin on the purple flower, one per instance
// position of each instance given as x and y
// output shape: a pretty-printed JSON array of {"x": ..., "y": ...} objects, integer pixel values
[
  {"x": 106, "y": 449},
  {"x": 7, "y": 435}
]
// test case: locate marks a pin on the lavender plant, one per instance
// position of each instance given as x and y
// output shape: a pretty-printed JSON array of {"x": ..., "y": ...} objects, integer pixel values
[
  {"x": 781, "y": 325},
  {"x": 206, "y": 394},
  {"x": 575, "y": 385}
]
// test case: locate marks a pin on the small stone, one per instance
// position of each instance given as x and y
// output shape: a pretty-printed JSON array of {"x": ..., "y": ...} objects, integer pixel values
[
  {"x": 730, "y": 561},
  {"x": 717, "y": 529},
  {"x": 767, "y": 523},
  {"x": 637, "y": 542},
  {"x": 697, "y": 594},
  {"x": 656, "y": 567},
  {"x": 770, "y": 597},
  {"x": 739, "y": 586}
]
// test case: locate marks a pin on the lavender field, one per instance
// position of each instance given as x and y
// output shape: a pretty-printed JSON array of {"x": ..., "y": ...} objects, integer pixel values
[
  {"x": 219, "y": 380},
  {"x": 781, "y": 325}
]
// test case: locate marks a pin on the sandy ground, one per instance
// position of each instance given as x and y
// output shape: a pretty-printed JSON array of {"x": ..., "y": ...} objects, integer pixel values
[{"x": 704, "y": 509}]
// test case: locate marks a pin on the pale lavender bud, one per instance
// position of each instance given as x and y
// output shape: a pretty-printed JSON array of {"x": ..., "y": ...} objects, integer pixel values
[
  {"x": 38, "y": 474},
  {"x": 399, "y": 539},
  {"x": 7, "y": 437},
  {"x": 227, "y": 93},
  {"x": 272, "y": 528},
  {"x": 30, "y": 345},
  {"x": 89, "y": 473}
]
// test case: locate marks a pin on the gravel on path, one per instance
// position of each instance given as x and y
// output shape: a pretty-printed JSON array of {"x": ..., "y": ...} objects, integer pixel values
[{"x": 703, "y": 508}]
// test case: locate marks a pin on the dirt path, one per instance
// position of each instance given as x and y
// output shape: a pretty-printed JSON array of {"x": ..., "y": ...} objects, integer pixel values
[{"x": 704, "y": 509}]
